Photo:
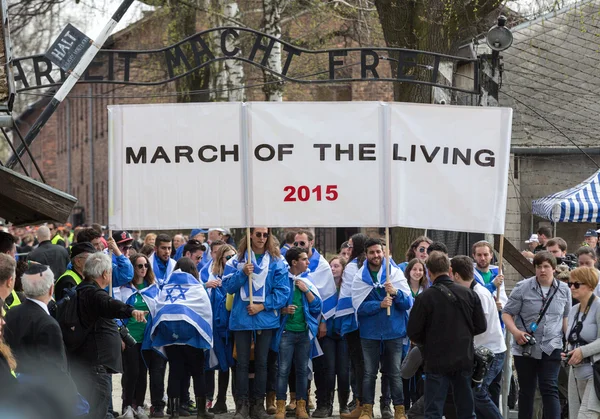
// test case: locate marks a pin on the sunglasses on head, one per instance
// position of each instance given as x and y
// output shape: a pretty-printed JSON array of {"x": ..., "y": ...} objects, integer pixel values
[
  {"x": 574, "y": 284},
  {"x": 261, "y": 235},
  {"x": 300, "y": 244},
  {"x": 142, "y": 265}
]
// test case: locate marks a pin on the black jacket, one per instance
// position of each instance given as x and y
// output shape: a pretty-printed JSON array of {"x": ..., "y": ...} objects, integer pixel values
[
  {"x": 102, "y": 346},
  {"x": 444, "y": 331},
  {"x": 36, "y": 339},
  {"x": 53, "y": 255}
]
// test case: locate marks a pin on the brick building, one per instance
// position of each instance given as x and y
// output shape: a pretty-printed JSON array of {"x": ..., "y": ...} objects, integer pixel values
[{"x": 72, "y": 149}]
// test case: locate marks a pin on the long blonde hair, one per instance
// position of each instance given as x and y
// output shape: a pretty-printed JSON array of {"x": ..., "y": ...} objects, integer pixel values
[
  {"x": 218, "y": 268},
  {"x": 4, "y": 348}
]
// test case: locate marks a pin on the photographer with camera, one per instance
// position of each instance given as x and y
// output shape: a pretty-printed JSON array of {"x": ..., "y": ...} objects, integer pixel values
[
  {"x": 536, "y": 314},
  {"x": 99, "y": 354},
  {"x": 486, "y": 368},
  {"x": 444, "y": 320},
  {"x": 583, "y": 344}
]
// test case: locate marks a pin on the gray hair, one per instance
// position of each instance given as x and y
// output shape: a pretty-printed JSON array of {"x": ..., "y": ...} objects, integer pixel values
[
  {"x": 7, "y": 267},
  {"x": 96, "y": 264},
  {"x": 37, "y": 285},
  {"x": 43, "y": 233}
]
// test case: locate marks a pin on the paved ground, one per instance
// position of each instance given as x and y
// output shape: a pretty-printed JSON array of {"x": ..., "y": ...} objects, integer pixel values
[
  {"x": 231, "y": 406},
  {"x": 117, "y": 402}
]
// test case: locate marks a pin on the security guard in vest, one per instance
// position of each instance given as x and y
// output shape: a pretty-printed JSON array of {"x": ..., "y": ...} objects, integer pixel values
[
  {"x": 8, "y": 275},
  {"x": 73, "y": 277},
  {"x": 57, "y": 238}
]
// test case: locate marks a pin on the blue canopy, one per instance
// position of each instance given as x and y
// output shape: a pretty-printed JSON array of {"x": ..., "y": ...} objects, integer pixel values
[{"x": 580, "y": 204}]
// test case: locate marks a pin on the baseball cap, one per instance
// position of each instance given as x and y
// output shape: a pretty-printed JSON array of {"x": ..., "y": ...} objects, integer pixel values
[
  {"x": 122, "y": 237},
  {"x": 197, "y": 231},
  {"x": 591, "y": 233},
  {"x": 83, "y": 247},
  {"x": 533, "y": 238}
]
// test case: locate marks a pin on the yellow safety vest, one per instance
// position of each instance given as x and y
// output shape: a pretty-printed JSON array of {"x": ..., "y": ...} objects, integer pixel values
[
  {"x": 16, "y": 300},
  {"x": 56, "y": 239},
  {"x": 71, "y": 237},
  {"x": 72, "y": 274}
]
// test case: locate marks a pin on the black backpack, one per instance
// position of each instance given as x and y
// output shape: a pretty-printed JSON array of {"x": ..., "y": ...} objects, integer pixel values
[{"x": 69, "y": 319}]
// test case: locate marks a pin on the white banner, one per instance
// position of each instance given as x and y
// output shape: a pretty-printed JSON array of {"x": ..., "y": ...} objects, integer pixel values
[
  {"x": 361, "y": 164},
  {"x": 325, "y": 167},
  {"x": 175, "y": 166},
  {"x": 449, "y": 167}
]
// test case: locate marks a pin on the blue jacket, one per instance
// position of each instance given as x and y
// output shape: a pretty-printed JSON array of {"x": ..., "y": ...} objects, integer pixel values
[
  {"x": 277, "y": 291},
  {"x": 374, "y": 321},
  {"x": 122, "y": 272},
  {"x": 311, "y": 315}
]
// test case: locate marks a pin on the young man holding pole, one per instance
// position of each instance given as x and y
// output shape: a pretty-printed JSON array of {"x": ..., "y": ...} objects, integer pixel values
[
  {"x": 296, "y": 335},
  {"x": 259, "y": 279},
  {"x": 381, "y": 298}
]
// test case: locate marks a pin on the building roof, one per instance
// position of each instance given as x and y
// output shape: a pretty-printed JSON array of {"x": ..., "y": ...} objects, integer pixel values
[{"x": 551, "y": 79}]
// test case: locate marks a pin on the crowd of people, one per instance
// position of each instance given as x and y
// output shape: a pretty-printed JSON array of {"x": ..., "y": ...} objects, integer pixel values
[{"x": 266, "y": 321}]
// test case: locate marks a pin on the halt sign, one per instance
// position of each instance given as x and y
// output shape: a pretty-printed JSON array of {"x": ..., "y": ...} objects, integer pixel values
[{"x": 68, "y": 48}]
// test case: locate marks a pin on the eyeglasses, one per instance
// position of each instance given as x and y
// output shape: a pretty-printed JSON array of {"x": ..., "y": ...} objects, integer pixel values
[
  {"x": 142, "y": 265},
  {"x": 228, "y": 257},
  {"x": 574, "y": 284},
  {"x": 300, "y": 244},
  {"x": 261, "y": 235}
]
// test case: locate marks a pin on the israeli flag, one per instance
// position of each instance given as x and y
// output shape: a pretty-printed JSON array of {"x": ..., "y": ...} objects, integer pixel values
[
  {"x": 259, "y": 277},
  {"x": 183, "y": 306},
  {"x": 363, "y": 283},
  {"x": 319, "y": 273},
  {"x": 344, "y": 304}
]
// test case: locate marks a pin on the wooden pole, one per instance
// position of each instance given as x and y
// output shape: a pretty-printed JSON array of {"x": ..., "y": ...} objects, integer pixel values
[
  {"x": 387, "y": 262},
  {"x": 500, "y": 260},
  {"x": 110, "y": 291},
  {"x": 249, "y": 260}
]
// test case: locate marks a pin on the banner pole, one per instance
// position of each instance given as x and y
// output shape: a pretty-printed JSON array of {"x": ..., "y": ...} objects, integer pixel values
[
  {"x": 387, "y": 262},
  {"x": 249, "y": 260},
  {"x": 110, "y": 291},
  {"x": 500, "y": 261}
]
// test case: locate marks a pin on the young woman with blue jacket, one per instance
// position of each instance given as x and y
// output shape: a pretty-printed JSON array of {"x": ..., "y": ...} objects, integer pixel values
[{"x": 256, "y": 321}]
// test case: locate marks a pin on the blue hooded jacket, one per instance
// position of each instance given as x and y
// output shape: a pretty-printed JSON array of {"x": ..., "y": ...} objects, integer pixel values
[
  {"x": 122, "y": 272},
  {"x": 277, "y": 291},
  {"x": 373, "y": 320}
]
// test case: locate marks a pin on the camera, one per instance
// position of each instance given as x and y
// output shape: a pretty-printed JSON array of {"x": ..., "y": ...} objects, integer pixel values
[
  {"x": 528, "y": 345},
  {"x": 482, "y": 359},
  {"x": 125, "y": 335}
]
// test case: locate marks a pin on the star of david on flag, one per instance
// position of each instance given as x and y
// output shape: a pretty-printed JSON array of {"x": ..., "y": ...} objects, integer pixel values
[{"x": 170, "y": 297}]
